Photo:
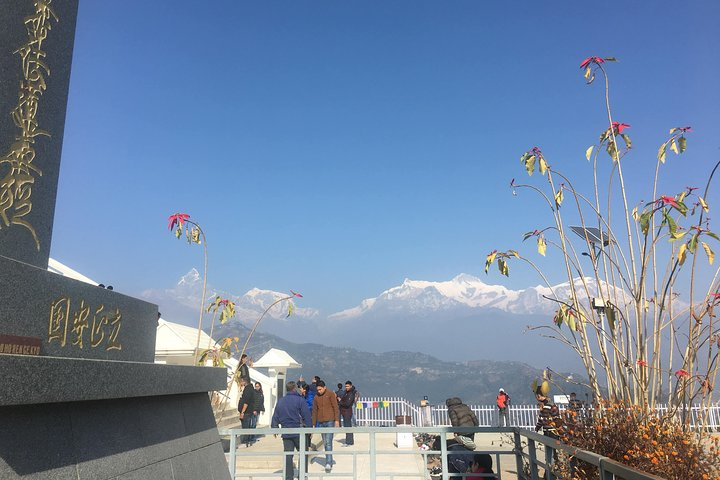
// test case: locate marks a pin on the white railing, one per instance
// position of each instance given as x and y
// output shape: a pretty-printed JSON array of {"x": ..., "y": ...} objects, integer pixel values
[{"x": 523, "y": 416}]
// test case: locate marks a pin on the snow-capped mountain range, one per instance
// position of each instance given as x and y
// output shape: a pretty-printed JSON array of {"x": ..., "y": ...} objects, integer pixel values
[
  {"x": 417, "y": 315},
  {"x": 248, "y": 306},
  {"x": 417, "y": 296},
  {"x": 412, "y": 297}
]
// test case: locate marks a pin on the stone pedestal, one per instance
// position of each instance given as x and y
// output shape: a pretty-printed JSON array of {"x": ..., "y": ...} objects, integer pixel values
[{"x": 81, "y": 398}]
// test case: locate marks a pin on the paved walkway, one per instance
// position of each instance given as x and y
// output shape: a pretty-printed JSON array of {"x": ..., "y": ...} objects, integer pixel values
[{"x": 264, "y": 460}]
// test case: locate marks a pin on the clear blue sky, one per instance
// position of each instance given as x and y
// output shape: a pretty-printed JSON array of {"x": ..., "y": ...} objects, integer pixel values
[{"x": 337, "y": 147}]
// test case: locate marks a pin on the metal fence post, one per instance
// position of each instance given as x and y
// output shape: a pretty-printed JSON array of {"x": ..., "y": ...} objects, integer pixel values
[
  {"x": 518, "y": 453},
  {"x": 533, "y": 460},
  {"x": 443, "y": 456},
  {"x": 604, "y": 474},
  {"x": 373, "y": 467},
  {"x": 549, "y": 457},
  {"x": 233, "y": 458},
  {"x": 302, "y": 456}
]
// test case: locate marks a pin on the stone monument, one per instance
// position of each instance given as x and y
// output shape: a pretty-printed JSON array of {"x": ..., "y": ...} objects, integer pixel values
[{"x": 81, "y": 398}]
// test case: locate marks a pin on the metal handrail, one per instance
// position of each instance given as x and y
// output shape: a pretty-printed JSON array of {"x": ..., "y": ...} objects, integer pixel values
[
  {"x": 520, "y": 415},
  {"x": 607, "y": 467}
]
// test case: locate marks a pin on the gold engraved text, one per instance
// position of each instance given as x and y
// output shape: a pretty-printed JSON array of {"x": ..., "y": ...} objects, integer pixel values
[
  {"x": 17, "y": 172},
  {"x": 103, "y": 331}
]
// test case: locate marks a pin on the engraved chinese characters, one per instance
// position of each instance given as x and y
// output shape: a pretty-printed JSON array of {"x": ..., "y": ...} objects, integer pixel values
[
  {"x": 17, "y": 171},
  {"x": 74, "y": 324}
]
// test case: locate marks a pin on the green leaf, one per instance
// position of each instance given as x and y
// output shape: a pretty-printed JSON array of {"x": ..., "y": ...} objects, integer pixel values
[
  {"x": 677, "y": 235},
  {"x": 708, "y": 251},
  {"x": 610, "y": 59},
  {"x": 214, "y": 305},
  {"x": 674, "y": 147},
  {"x": 682, "y": 141},
  {"x": 626, "y": 138},
  {"x": 672, "y": 226},
  {"x": 528, "y": 235},
  {"x": 612, "y": 150},
  {"x": 692, "y": 245},
  {"x": 713, "y": 235},
  {"x": 202, "y": 358},
  {"x": 588, "y": 152},
  {"x": 661, "y": 152},
  {"x": 610, "y": 314},
  {"x": 503, "y": 267},
  {"x": 645, "y": 221},
  {"x": 534, "y": 385},
  {"x": 681, "y": 207},
  {"x": 541, "y": 245}
]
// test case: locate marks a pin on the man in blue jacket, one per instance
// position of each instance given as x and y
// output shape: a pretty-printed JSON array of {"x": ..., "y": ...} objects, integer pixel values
[{"x": 291, "y": 411}]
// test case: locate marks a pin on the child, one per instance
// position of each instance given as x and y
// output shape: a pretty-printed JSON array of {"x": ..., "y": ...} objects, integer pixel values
[{"x": 482, "y": 463}]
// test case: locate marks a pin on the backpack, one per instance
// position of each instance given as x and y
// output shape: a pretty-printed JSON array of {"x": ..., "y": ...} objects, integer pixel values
[{"x": 501, "y": 400}]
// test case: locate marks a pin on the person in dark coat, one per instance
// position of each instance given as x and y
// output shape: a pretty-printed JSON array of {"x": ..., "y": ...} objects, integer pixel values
[
  {"x": 461, "y": 415},
  {"x": 291, "y": 411},
  {"x": 347, "y": 402},
  {"x": 243, "y": 368},
  {"x": 258, "y": 406},
  {"x": 245, "y": 407}
]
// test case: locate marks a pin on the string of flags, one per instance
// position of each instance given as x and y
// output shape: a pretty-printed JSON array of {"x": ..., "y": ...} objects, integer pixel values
[{"x": 380, "y": 404}]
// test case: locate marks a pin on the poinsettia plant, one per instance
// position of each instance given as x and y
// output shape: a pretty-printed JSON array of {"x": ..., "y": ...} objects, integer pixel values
[
  {"x": 195, "y": 235},
  {"x": 641, "y": 313},
  {"x": 221, "y": 403}
]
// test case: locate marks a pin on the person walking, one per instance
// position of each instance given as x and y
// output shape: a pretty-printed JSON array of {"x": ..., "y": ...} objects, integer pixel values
[
  {"x": 503, "y": 403},
  {"x": 326, "y": 413},
  {"x": 291, "y": 411},
  {"x": 347, "y": 402},
  {"x": 245, "y": 408}
]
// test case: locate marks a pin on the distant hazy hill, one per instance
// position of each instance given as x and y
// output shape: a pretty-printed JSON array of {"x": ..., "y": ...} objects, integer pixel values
[{"x": 404, "y": 374}]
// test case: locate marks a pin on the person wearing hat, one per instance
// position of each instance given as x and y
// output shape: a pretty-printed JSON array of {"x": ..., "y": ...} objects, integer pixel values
[{"x": 503, "y": 402}]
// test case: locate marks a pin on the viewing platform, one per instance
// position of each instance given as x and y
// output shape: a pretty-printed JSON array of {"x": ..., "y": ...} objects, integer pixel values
[
  {"x": 393, "y": 453},
  {"x": 381, "y": 453}
]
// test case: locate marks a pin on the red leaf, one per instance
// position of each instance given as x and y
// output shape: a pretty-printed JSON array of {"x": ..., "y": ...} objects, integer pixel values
[
  {"x": 590, "y": 60},
  {"x": 619, "y": 127},
  {"x": 177, "y": 219},
  {"x": 666, "y": 200},
  {"x": 295, "y": 294}
]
